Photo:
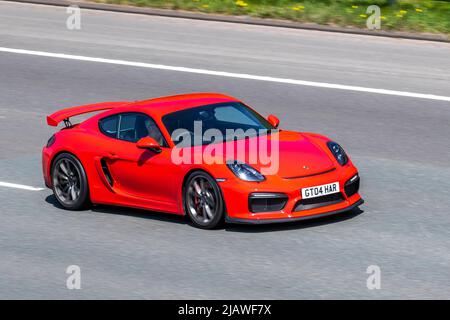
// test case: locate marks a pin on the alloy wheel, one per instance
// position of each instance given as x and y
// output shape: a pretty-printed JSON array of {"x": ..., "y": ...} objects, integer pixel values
[
  {"x": 202, "y": 200},
  {"x": 67, "y": 181}
]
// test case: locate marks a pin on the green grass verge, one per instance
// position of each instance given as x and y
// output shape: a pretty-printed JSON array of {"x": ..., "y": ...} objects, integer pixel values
[{"x": 412, "y": 16}]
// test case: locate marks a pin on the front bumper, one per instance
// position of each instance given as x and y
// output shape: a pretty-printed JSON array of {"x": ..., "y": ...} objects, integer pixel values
[
  {"x": 238, "y": 193},
  {"x": 292, "y": 219}
]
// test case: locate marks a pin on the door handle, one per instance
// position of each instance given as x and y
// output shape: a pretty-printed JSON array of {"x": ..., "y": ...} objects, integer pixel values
[{"x": 112, "y": 156}]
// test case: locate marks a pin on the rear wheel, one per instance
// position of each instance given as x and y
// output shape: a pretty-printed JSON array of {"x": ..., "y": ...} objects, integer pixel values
[
  {"x": 70, "y": 182},
  {"x": 203, "y": 201}
]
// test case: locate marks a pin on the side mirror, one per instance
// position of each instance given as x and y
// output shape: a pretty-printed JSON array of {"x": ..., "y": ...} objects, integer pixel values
[
  {"x": 274, "y": 121},
  {"x": 150, "y": 144}
]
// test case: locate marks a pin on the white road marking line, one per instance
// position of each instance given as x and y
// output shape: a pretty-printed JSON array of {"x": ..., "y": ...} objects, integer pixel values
[
  {"x": 19, "y": 186},
  {"x": 229, "y": 74}
]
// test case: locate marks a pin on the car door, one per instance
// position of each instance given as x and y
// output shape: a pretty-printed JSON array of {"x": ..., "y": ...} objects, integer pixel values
[{"x": 139, "y": 174}]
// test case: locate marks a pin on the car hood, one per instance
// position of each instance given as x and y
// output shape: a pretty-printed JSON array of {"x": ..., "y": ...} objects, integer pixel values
[{"x": 298, "y": 156}]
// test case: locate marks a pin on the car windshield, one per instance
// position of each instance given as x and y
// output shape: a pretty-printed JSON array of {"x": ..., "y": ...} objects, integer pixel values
[{"x": 214, "y": 123}]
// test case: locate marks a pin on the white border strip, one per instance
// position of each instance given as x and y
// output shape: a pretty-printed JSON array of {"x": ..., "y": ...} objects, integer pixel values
[
  {"x": 19, "y": 186},
  {"x": 228, "y": 74}
]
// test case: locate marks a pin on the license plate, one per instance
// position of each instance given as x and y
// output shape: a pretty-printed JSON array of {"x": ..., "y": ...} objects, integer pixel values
[{"x": 322, "y": 190}]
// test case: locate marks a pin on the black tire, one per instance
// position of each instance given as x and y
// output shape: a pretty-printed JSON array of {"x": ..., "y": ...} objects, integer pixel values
[
  {"x": 70, "y": 185},
  {"x": 201, "y": 192}
]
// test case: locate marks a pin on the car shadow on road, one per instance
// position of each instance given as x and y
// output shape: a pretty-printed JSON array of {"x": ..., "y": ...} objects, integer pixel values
[
  {"x": 126, "y": 211},
  {"x": 245, "y": 228}
]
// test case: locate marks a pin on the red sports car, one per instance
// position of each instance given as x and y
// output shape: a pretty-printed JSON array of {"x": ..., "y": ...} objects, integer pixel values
[{"x": 205, "y": 155}]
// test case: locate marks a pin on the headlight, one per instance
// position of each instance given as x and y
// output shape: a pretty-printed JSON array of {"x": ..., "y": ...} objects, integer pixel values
[
  {"x": 338, "y": 152},
  {"x": 245, "y": 172}
]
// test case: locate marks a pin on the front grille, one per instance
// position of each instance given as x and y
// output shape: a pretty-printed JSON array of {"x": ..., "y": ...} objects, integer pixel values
[
  {"x": 266, "y": 202},
  {"x": 352, "y": 186},
  {"x": 312, "y": 203}
]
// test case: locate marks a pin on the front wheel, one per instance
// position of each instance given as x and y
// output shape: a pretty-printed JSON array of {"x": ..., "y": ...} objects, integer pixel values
[
  {"x": 70, "y": 184},
  {"x": 203, "y": 201}
]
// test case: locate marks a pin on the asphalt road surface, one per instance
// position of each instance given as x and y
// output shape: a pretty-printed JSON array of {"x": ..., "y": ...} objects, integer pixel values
[{"x": 399, "y": 143}]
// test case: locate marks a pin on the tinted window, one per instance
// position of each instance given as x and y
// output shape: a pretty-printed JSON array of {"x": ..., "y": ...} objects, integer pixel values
[
  {"x": 234, "y": 115},
  {"x": 131, "y": 127},
  {"x": 109, "y": 126},
  {"x": 127, "y": 127},
  {"x": 224, "y": 116},
  {"x": 150, "y": 128}
]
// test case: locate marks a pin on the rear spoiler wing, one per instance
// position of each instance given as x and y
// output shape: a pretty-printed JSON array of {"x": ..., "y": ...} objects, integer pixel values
[{"x": 65, "y": 114}]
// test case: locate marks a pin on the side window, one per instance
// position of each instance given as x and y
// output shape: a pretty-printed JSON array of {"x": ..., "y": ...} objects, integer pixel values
[
  {"x": 131, "y": 127},
  {"x": 147, "y": 127},
  {"x": 127, "y": 127},
  {"x": 109, "y": 126}
]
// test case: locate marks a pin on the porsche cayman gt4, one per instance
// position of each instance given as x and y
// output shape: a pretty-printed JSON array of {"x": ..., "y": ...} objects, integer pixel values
[{"x": 205, "y": 155}]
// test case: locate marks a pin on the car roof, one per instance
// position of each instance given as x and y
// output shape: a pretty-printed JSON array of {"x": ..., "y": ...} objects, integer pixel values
[
  {"x": 157, "y": 107},
  {"x": 165, "y": 105}
]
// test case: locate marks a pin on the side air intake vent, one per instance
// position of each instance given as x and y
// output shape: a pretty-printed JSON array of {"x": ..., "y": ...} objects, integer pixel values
[{"x": 107, "y": 173}]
